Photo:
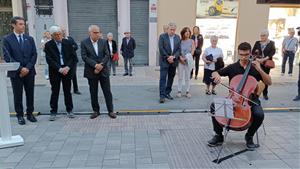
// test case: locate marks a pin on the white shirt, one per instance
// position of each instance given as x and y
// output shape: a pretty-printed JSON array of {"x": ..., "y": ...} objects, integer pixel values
[
  {"x": 17, "y": 35},
  {"x": 172, "y": 42},
  {"x": 59, "y": 46},
  {"x": 95, "y": 45},
  {"x": 110, "y": 47},
  {"x": 216, "y": 52}
]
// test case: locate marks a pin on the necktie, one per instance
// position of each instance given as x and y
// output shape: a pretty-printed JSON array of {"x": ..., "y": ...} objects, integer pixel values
[
  {"x": 59, "y": 46},
  {"x": 21, "y": 41}
]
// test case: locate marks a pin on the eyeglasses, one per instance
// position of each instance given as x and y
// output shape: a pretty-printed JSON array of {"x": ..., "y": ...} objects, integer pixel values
[{"x": 245, "y": 54}]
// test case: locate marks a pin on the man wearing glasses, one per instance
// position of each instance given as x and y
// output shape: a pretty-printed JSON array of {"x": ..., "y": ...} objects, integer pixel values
[
  {"x": 231, "y": 71},
  {"x": 95, "y": 54}
]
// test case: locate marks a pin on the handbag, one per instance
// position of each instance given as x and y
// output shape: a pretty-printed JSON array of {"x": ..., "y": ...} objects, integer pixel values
[
  {"x": 269, "y": 64},
  {"x": 115, "y": 57},
  {"x": 209, "y": 57},
  {"x": 219, "y": 64}
]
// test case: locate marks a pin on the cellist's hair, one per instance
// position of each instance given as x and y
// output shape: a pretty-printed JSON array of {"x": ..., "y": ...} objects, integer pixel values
[{"x": 244, "y": 46}]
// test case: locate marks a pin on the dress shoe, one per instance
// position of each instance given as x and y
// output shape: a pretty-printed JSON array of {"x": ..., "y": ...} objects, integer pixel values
[
  {"x": 162, "y": 100},
  {"x": 168, "y": 96},
  {"x": 94, "y": 115},
  {"x": 125, "y": 74},
  {"x": 70, "y": 114},
  {"x": 249, "y": 143},
  {"x": 188, "y": 95},
  {"x": 77, "y": 92},
  {"x": 21, "y": 120},
  {"x": 114, "y": 74},
  {"x": 52, "y": 117},
  {"x": 266, "y": 97},
  {"x": 207, "y": 92},
  {"x": 112, "y": 115},
  {"x": 31, "y": 118},
  {"x": 216, "y": 141},
  {"x": 297, "y": 98},
  {"x": 130, "y": 74}
]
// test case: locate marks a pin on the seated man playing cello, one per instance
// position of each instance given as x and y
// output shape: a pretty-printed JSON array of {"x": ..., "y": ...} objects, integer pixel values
[{"x": 235, "y": 69}]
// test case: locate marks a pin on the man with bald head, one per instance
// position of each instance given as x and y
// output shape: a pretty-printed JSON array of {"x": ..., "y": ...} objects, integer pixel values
[{"x": 95, "y": 54}]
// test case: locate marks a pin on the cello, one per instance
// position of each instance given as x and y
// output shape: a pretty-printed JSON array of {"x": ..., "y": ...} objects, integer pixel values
[{"x": 240, "y": 89}]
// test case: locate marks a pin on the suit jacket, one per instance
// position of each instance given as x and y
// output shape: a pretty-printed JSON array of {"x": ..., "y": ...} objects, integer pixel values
[
  {"x": 268, "y": 51},
  {"x": 13, "y": 53},
  {"x": 53, "y": 57},
  {"x": 128, "y": 49},
  {"x": 165, "y": 50},
  {"x": 114, "y": 47},
  {"x": 90, "y": 58}
]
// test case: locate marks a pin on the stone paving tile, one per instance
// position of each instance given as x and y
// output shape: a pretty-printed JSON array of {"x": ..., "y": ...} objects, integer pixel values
[
  {"x": 42, "y": 164},
  {"x": 77, "y": 164},
  {"x": 8, "y": 165},
  {"x": 270, "y": 164},
  {"x": 15, "y": 157},
  {"x": 48, "y": 156},
  {"x": 6, "y": 152}
]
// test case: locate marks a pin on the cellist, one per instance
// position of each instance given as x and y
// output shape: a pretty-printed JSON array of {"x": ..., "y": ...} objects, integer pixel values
[{"x": 238, "y": 68}]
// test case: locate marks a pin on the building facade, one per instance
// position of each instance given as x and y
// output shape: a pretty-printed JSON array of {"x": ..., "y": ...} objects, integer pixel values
[{"x": 144, "y": 18}]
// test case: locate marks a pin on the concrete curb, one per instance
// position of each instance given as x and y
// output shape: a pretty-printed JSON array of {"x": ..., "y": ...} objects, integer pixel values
[{"x": 169, "y": 111}]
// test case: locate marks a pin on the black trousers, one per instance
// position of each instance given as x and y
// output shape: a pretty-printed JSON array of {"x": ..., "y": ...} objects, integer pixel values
[
  {"x": 55, "y": 80},
  {"x": 105, "y": 86},
  {"x": 18, "y": 84},
  {"x": 258, "y": 118},
  {"x": 74, "y": 79},
  {"x": 197, "y": 59},
  {"x": 166, "y": 80},
  {"x": 266, "y": 70}
]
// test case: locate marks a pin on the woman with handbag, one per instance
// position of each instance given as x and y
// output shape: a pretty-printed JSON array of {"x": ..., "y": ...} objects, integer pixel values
[
  {"x": 113, "y": 50},
  {"x": 210, "y": 57},
  {"x": 264, "y": 49}
]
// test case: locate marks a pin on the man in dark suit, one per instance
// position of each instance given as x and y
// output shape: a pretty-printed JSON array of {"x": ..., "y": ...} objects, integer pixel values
[
  {"x": 75, "y": 47},
  {"x": 169, "y": 49},
  {"x": 127, "y": 49},
  {"x": 95, "y": 55},
  {"x": 18, "y": 47},
  {"x": 60, "y": 57}
]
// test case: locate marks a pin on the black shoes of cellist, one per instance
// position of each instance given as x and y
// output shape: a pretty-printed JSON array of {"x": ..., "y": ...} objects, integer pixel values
[
  {"x": 218, "y": 140},
  {"x": 249, "y": 143}
]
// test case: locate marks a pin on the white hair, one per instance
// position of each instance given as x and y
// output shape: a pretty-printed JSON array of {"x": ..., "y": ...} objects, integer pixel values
[
  {"x": 54, "y": 29},
  {"x": 91, "y": 27},
  {"x": 214, "y": 37},
  {"x": 172, "y": 24},
  {"x": 110, "y": 34},
  {"x": 265, "y": 32}
]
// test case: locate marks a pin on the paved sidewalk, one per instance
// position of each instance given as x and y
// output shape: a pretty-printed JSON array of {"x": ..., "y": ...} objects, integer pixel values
[{"x": 165, "y": 141}]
